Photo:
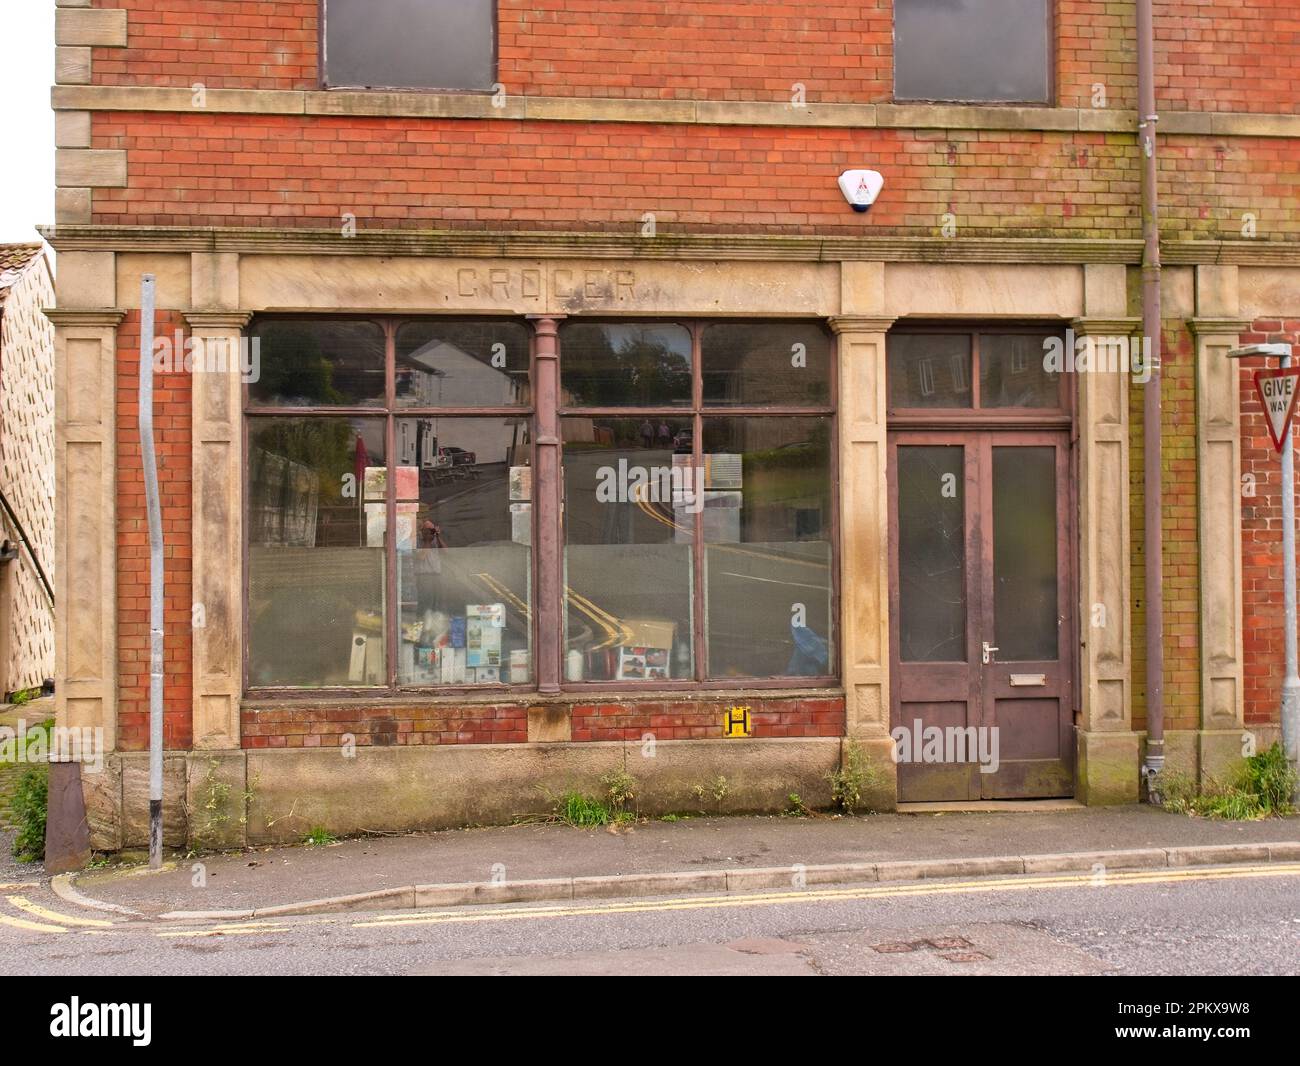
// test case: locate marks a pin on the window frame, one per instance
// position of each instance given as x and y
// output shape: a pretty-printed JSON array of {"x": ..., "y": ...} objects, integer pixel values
[
  {"x": 1053, "y": 76},
  {"x": 390, "y": 412},
  {"x": 323, "y": 83},
  {"x": 1060, "y": 416},
  {"x": 697, "y": 410}
]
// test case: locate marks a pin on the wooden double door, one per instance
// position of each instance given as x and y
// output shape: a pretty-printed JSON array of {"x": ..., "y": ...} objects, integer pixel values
[{"x": 982, "y": 613}]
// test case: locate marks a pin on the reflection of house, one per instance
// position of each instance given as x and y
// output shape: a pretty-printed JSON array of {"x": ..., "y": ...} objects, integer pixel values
[
  {"x": 443, "y": 375},
  {"x": 26, "y": 468}
]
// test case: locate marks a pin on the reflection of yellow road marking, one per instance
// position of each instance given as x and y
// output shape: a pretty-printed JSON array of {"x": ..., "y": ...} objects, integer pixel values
[
  {"x": 31, "y": 927},
  {"x": 839, "y": 895},
  {"x": 18, "y": 884},
  {"x": 617, "y": 632},
  {"x": 51, "y": 916}
]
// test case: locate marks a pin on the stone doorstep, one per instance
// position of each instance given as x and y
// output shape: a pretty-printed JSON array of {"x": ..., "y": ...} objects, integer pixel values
[{"x": 788, "y": 878}]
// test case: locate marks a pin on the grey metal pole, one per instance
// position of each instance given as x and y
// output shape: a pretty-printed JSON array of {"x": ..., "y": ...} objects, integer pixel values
[
  {"x": 1291, "y": 684},
  {"x": 153, "y": 504}
]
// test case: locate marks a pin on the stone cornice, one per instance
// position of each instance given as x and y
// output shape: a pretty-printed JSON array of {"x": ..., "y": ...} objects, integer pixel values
[
  {"x": 595, "y": 245},
  {"x": 861, "y": 323},
  {"x": 704, "y": 112},
  {"x": 608, "y": 245},
  {"x": 199, "y": 321},
  {"x": 107, "y": 316},
  {"x": 1102, "y": 326},
  {"x": 1217, "y": 326}
]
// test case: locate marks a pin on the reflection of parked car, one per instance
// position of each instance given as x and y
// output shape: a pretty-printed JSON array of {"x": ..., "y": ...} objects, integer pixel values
[
  {"x": 459, "y": 456},
  {"x": 683, "y": 440},
  {"x": 451, "y": 462}
]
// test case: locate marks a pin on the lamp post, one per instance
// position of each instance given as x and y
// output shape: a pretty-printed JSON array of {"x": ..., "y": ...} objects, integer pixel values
[{"x": 1291, "y": 683}]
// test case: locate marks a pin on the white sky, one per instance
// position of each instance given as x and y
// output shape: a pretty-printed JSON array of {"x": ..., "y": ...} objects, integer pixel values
[{"x": 27, "y": 123}]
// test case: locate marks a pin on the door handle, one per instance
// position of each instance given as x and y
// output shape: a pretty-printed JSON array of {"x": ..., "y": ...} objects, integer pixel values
[{"x": 989, "y": 651}]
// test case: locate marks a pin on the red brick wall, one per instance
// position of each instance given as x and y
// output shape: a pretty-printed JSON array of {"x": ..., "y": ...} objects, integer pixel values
[
  {"x": 690, "y": 719},
  {"x": 1261, "y": 536},
  {"x": 172, "y": 441},
  {"x": 1180, "y": 562},
  {"x": 381, "y": 724},
  {"x": 238, "y": 170},
  {"x": 1212, "y": 55}
]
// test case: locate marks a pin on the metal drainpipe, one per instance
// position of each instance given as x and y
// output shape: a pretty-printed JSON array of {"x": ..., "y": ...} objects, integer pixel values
[{"x": 1151, "y": 415}]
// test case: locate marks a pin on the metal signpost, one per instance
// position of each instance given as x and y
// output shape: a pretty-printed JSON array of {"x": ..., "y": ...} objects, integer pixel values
[{"x": 1278, "y": 391}]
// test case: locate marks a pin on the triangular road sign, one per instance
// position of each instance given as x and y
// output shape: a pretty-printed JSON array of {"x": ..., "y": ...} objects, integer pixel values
[{"x": 1278, "y": 392}]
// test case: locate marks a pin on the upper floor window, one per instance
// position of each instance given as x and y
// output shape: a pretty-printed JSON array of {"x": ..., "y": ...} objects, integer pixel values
[
  {"x": 973, "y": 51},
  {"x": 409, "y": 44}
]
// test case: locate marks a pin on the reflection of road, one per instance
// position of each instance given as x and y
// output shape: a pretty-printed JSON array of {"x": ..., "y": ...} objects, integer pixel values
[{"x": 474, "y": 514}]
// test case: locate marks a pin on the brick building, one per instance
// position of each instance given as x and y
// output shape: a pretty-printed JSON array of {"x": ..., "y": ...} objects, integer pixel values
[
  {"x": 26, "y": 469},
  {"x": 553, "y": 404}
]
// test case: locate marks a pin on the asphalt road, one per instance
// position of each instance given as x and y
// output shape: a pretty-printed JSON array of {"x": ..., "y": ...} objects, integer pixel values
[{"x": 1228, "y": 920}]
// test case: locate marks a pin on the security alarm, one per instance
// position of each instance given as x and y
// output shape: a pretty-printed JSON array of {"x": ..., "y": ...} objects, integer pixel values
[{"x": 861, "y": 187}]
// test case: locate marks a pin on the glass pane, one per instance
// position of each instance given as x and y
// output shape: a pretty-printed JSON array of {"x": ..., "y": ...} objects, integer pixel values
[
  {"x": 1024, "y": 554},
  {"x": 1013, "y": 371},
  {"x": 931, "y": 553},
  {"x": 972, "y": 50},
  {"x": 758, "y": 363},
  {"x": 464, "y": 551},
  {"x": 625, "y": 365},
  {"x": 316, "y": 534},
  {"x": 462, "y": 364},
  {"x": 627, "y": 551},
  {"x": 929, "y": 370},
  {"x": 318, "y": 362},
  {"x": 410, "y": 44},
  {"x": 767, "y": 556}
]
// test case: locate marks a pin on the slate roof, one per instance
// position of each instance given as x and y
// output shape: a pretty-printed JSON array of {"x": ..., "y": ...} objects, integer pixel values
[{"x": 14, "y": 261}]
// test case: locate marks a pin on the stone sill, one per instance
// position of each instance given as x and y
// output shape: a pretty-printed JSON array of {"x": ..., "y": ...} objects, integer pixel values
[
  {"x": 434, "y": 105},
  {"x": 390, "y": 702}
]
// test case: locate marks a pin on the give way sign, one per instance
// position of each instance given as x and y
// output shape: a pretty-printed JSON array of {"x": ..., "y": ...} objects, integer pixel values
[{"x": 1278, "y": 393}]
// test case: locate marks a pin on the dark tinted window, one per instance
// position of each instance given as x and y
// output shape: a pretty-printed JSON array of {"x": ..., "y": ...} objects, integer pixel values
[
  {"x": 410, "y": 44},
  {"x": 762, "y": 363},
  {"x": 971, "y": 50},
  {"x": 625, "y": 365},
  {"x": 318, "y": 363}
]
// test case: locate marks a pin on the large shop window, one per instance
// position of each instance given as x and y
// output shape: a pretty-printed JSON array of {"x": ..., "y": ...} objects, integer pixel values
[
  {"x": 389, "y": 525},
  {"x": 391, "y": 530},
  {"x": 973, "y": 51},
  {"x": 409, "y": 44},
  {"x": 698, "y": 501}
]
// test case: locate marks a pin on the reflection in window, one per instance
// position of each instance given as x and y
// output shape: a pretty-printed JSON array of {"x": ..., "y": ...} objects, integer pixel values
[
  {"x": 759, "y": 363},
  {"x": 318, "y": 363},
  {"x": 628, "y": 490},
  {"x": 1014, "y": 371},
  {"x": 929, "y": 370},
  {"x": 316, "y": 552},
  {"x": 767, "y": 529},
  {"x": 464, "y": 552},
  {"x": 625, "y": 365},
  {"x": 462, "y": 364}
]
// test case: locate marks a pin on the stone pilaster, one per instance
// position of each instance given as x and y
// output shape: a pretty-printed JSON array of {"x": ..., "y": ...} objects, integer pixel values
[
  {"x": 1108, "y": 748},
  {"x": 217, "y": 527},
  {"x": 85, "y": 397}
]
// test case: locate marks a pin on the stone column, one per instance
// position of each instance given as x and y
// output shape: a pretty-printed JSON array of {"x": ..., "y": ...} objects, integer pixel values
[
  {"x": 217, "y": 526},
  {"x": 1218, "y": 490},
  {"x": 85, "y": 523},
  {"x": 1107, "y": 769},
  {"x": 864, "y": 535}
]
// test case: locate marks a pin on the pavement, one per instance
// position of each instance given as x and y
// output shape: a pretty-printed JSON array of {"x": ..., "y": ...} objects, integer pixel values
[{"x": 697, "y": 855}]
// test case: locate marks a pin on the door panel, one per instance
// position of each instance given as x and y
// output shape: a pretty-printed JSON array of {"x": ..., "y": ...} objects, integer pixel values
[{"x": 980, "y": 540}]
